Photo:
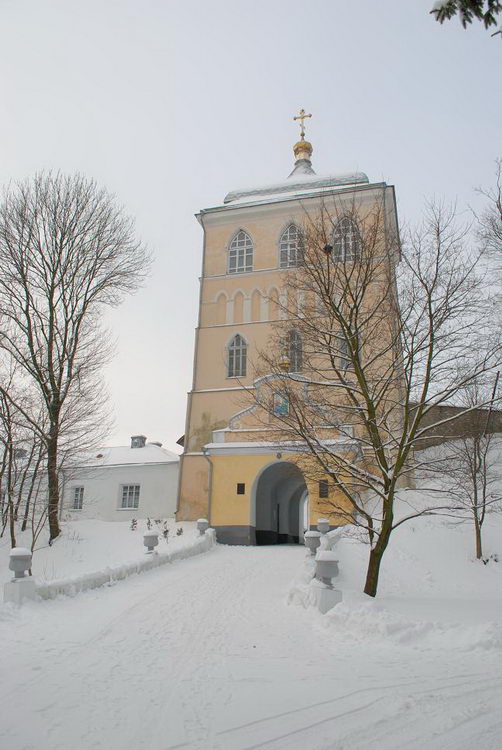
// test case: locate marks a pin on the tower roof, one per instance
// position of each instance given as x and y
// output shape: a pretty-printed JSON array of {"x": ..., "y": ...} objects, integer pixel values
[
  {"x": 296, "y": 184},
  {"x": 301, "y": 180}
]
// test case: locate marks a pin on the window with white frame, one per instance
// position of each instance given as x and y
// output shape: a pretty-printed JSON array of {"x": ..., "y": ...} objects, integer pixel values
[
  {"x": 240, "y": 255},
  {"x": 237, "y": 357},
  {"x": 78, "y": 498},
  {"x": 291, "y": 247},
  {"x": 295, "y": 351},
  {"x": 346, "y": 241},
  {"x": 130, "y": 496}
]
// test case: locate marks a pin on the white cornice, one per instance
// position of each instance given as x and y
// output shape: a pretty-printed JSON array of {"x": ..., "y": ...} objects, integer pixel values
[
  {"x": 279, "y": 203},
  {"x": 266, "y": 448}
]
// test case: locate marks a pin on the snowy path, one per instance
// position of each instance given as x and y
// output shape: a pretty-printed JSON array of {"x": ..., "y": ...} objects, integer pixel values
[{"x": 206, "y": 654}]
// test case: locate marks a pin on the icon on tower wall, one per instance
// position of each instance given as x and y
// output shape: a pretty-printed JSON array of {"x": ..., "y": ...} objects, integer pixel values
[{"x": 280, "y": 405}]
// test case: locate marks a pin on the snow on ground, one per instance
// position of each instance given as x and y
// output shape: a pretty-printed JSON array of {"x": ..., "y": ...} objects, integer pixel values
[
  {"x": 87, "y": 546},
  {"x": 207, "y": 653}
]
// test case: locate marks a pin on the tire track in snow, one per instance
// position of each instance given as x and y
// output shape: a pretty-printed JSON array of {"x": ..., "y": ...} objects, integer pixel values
[
  {"x": 210, "y": 657},
  {"x": 205, "y": 679}
]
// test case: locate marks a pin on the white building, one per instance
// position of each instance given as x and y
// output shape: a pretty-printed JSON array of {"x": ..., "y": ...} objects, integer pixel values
[{"x": 121, "y": 483}]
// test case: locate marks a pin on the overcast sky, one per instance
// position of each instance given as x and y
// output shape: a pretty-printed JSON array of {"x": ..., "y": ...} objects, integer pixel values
[{"x": 172, "y": 104}]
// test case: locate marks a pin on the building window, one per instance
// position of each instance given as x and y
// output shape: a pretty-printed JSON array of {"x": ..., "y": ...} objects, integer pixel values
[
  {"x": 344, "y": 357},
  {"x": 295, "y": 351},
  {"x": 130, "y": 496},
  {"x": 291, "y": 248},
  {"x": 240, "y": 256},
  {"x": 241, "y": 488},
  {"x": 323, "y": 488},
  {"x": 237, "y": 356},
  {"x": 78, "y": 498},
  {"x": 346, "y": 241}
]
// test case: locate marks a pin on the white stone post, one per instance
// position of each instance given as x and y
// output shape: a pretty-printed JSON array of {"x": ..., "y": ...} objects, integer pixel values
[
  {"x": 150, "y": 540},
  {"x": 326, "y": 566},
  {"x": 312, "y": 541},
  {"x": 325, "y": 596},
  {"x": 202, "y": 525},
  {"x": 21, "y": 586},
  {"x": 323, "y": 525}
]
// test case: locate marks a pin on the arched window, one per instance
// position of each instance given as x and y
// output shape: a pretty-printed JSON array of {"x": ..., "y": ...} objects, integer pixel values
[
  {"x": 240, "y": 256},
  {"x": 295, "y": 351},
  {"x": 344, "y": 357},
  {"x": 346, "y": 241},
  {"x": 237, "y": 356},
  {"x": 291, "y": 248}
]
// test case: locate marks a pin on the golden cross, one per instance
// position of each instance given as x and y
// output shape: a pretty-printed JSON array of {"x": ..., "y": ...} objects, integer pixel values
[{"x": 302, "y": 116}]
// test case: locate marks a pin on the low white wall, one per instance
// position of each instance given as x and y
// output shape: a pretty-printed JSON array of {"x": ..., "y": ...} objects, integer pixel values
[{"x": 72, "y": 586}]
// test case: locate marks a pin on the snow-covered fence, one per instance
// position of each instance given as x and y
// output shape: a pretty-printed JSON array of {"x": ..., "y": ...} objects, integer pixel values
[{"x": 72, "y": 586}]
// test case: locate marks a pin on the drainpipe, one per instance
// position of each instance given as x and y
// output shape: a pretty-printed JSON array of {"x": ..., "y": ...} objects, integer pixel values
[{"x": 206, "y": 456}]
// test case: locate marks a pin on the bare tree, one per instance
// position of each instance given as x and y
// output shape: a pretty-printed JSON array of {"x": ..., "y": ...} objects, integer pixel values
[
  {"x": 22, "y": 452},
  {"x": 23, "y": 478},
  {"x": 490, "y": 220},
  {"x": 466, "y": 469},
  {"x": 66, "y": 252},
  {"x": 379, "y": 357},
  {"x": 8, "y": 473}
]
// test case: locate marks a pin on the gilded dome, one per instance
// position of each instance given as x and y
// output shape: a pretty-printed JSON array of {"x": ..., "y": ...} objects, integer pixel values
[{"x": 304, "y": 146}]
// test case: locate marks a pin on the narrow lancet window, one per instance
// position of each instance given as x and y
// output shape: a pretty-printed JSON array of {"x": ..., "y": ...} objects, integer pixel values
[
  {"x": 291, "y": 248},
  {"x": 237, "y": 357},
  {"x": 295, "y": 351},
  {"x": 240, "y": 256},
  {"x": 346, "y": 241}
]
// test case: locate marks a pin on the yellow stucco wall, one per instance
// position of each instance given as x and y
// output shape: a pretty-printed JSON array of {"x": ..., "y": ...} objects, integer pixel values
[
  {"x": 212, "y": 351},
  {"x": 216, "y": 397},
  {"x": 194, "y": 488},
  {"x": 230, "y": 509}
]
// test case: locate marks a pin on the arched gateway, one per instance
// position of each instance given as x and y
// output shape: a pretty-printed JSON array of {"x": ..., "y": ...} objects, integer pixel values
[{"x": 278, "y": 504}]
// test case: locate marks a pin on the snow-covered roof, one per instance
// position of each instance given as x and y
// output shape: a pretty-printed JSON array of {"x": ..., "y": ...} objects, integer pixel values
[
  {"x": 125, "y": 455},
  {"x": 302, "y": 181},
  {"x": 296, "y": 184}
]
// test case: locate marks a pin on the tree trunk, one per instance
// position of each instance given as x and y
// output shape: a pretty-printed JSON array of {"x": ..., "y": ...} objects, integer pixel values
[
  {"x": 372, "y": 573},
  {"x": 12, "y": 524},
  {"x": 26, "y": 513},
  {"x": 375, "y": 561},
  {"x": 479, "y": 548},
  {"x": 53, "y": 485}
]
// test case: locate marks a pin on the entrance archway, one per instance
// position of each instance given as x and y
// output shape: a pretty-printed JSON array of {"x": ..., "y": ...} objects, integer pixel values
[{"x": 280, "y": 495}]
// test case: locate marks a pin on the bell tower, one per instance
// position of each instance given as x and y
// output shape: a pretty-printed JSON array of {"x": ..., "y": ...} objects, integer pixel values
[{"x": 251, "y": 242}]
